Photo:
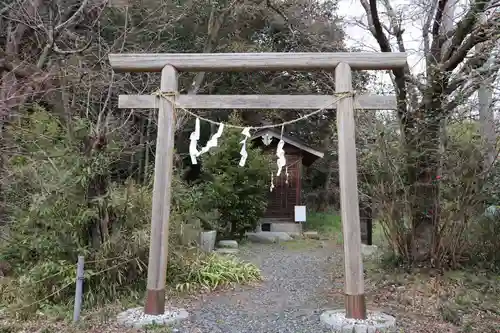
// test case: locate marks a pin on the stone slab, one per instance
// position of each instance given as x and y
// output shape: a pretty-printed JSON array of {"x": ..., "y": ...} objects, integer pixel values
[
  {"x": 231, "y": 244},
  {"x": 311, "y": 234},
  {"x": 226, "y": 250},
  {"x": 376, "y": 322},
  {"x": 136, "y": 317},
  {"x": 207, "y": 240},
  {"x": 369, "y": 250},
  {"x": 268, "y": 237}
]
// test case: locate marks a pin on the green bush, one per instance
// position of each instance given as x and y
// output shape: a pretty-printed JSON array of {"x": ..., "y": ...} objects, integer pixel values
[
  {"x": 54, "y": 212},
  {"x": 238, "y": 193},
  {"x": 52, "y": 215},
  {"x": 484, "y": 243},
  {"x": 483, "y": 228},
  {"x": 210, "y": 271},
  {"x": 327, "y": 223}
]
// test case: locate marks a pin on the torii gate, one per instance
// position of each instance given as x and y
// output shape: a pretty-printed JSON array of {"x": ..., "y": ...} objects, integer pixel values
[{"x": 170, "y": 64}]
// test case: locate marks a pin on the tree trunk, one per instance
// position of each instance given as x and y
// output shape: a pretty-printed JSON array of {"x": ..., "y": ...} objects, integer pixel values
[
  {"x": 487, "y": 120},
  {"x": 423, "y": 161},
  {"x": 2, "y": 163},
  {"x": 97, "y": 187}
]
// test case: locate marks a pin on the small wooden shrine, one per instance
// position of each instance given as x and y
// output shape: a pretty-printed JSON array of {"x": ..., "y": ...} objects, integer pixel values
[{"x": 286, "y": 193}]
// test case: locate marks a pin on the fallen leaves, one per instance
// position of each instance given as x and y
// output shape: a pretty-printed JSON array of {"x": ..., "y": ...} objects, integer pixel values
[{"x": 453, "y": 302}]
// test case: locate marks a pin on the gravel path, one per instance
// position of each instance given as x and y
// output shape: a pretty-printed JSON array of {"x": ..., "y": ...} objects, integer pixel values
[{"x": 290, "y": 299}]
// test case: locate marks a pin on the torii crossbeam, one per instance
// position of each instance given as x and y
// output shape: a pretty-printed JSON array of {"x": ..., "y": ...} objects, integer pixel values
[{"x": 171, "y": 64}]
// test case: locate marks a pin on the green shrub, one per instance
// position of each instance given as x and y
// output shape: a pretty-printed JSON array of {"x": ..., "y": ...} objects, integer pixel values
[
  {"x": 52, "y": 216},
  {"x": 483, "y": 230},
  {"x": 210, "y": 271},
  {"x": 484, "y": 243},
  {"x": 327, "y": 223},
  {"x": 118, "y": 266},
  {"x": 238, "y": 193},
  {"x": 62, "y": 202}
]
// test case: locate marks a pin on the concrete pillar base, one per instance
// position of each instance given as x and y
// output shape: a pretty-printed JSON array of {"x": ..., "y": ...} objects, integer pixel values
[{"x": 376, "y": 322}]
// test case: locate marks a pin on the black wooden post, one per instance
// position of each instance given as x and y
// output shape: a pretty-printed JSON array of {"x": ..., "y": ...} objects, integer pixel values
[{"x": 366, "y": 219}]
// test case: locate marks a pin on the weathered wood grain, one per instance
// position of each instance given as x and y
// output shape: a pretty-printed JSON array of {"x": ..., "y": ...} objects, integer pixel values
[
  {"x": 276, "y": 61},
  {"x": 295, "y": 102},
  {"x": 158, "y": 249},
  {"x": 349, "y": 201}
]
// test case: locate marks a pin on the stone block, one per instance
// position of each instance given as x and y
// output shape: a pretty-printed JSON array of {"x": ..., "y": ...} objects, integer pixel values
[
  {"x": 226, "y": 250},
  {"x": 311, "y": 235},
  {"x": 268, "y": 237},
  {"x": 369, "y": 250},
  {"x": 231, "y": 244},
  {"x": 376, "y": 322},
  {"x": 207, "y": 240},
  {"x": 138, "y": 319}
]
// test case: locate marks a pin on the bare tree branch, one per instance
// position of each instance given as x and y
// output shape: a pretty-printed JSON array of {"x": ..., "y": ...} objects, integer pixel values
[
  {"x": 72, "y": 18},
  {"x": 396, "y": 29},
  {"x": 79, "y": 50},
  {"x": 280, "y": 13},
  {"x": 214, "y": 26},
  {"x": 426, "y": 29},
  {"x": 465, "y": 27},
  {"x": 383, "y": 41},
  {"x": 7, "y": 7},
  {"x": 369, "y": 18},
  {"x": 480, "y": 34}
]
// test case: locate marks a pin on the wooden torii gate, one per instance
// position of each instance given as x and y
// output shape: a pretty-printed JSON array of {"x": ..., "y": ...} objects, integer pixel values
[{"x": 170, "y": 64}]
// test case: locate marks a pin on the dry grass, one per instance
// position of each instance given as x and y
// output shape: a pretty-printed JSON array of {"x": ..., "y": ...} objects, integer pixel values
[
  {"x": 102, "y": 320},
  {"x": 98, "y": 320},
  {"x": 427, "y": 301},
  {"x": 434, "y": 302},
  {"x": 307, "y": 244},
  {"x": 458, "y": 302}
]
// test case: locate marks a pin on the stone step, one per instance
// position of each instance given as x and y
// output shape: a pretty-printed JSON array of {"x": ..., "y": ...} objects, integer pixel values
[
  {"x": 226, "y": 250},
  {"x": 231, "y": 244},
  {"x": 311, "y": 234},
  {"x": 268, "y": 237}
]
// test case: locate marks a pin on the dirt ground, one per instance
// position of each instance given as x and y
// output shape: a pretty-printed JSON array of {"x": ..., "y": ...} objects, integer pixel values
[{"x": 431, "y": 302}]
